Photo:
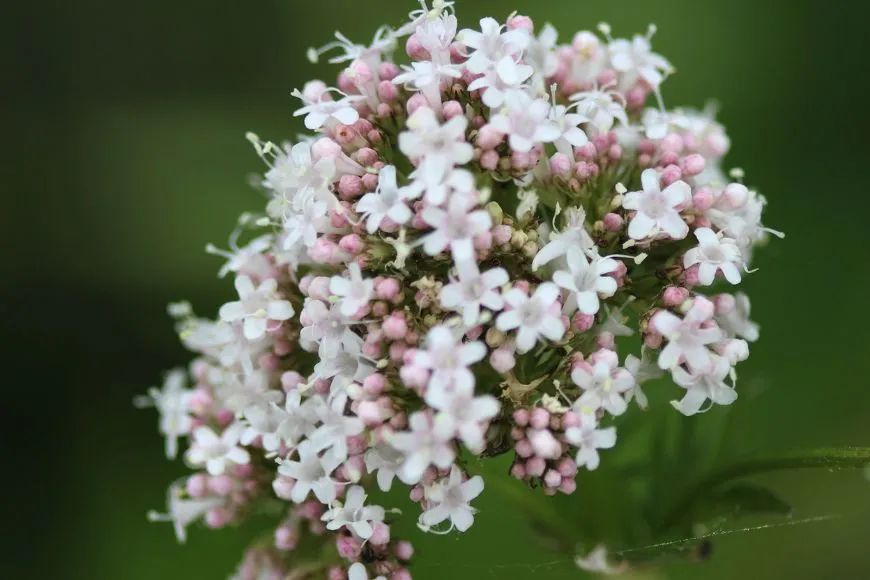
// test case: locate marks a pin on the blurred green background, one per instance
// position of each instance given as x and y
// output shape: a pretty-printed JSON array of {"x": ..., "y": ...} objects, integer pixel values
[{"x": 124, "y": 153}]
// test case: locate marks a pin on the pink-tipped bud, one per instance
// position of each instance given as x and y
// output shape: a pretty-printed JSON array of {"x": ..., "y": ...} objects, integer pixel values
[
  {"x": 544, "y": 443},
  {"x": 536, "y": 466},
  {"x": 374, "y": 384},
  {"x": 670, "y": 174},
  {"x": 518, "y": 471},
  {"x": 388, "y": 70},
  {"x": 286, "y": 538},
  {"x": 735, "y": 195},
  {"x": 674, "y": 295},
  {"x": 571, "y": 419},
  {"x": 652, "y": 340},
  {"x": 489, "y": 160},
  {"x": 724, "y": 303},
  {"x": 521, "y": 417},
  {"x": 502, "y": 360},
  {"x": 672, "y": 142},
  {"x": 552, "y": 478},
  {"x": 568, "y": 486},
  {"x": 316, "y": 91},
  {"x": 348, "y": 547},
  {"x": 501, "y": 235},
  {"x": 414, "y": 376},
  {"x": 415, "y": 48},
  {"x": 451, "y": 109},
  {"x": 197, "y": 485},
  {"x": 221, "y": 484},
  {"x": 416, "y": 101},
  {"x": 560, "y": 164},
  {"x": 702, "y": 199},
  {"x": 283, "y": 487},
  {"x": 521, "y": 22},
  {"x": 489, "y": 138},
  {"x": 613, "y": 222},
  {"x": 567, "y": 467},
  {"x": 539, "y": 418},
  {"x": 693, "y": 164},
  {"x": 404, "y": 551},
  {"x": 395, "y": 327},
  {"x": 524, "y": 448},
  {"x": 380, "y": 534}
]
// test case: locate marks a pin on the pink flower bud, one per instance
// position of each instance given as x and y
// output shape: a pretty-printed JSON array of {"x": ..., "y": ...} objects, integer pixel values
[
  {"x": 524, "y": 448},
  {"x": 488, "y": 137},
  {"x": 451, "y": 109},
  {"x": 672, "y": 143},
  {"x": 416, "y": 101},
  {"x": 613, "y": 222},
  {"x": 571, "y": 419},
  {"x": 380, "y": 534},
  {"x": 539, "y": 418},
  {"x": 693, "y": 164},
  {"x": 397, "y": 350},
  {"x": 316, "y": 91},
  {"x": 372, "y": 350},
  {"x": 735, "y": 195},
  {"x": 416, "y": 494},
  {"x": 197, "y": 485},
  {"x": 635, "y": 97},
  {"x": 489, "y": 160},
  {"x": 535, "y": 466},
  {"x": 400, "y": 574},
  {"x": 348, "y": 547},
  {"x": 552, "y": 478},
  {"x": 286, "y": 538},
  {"x": 670, "y": 174},
  {"x": 414, "y": 376},
  {"x": 567, "y": 467},
  {"x": 690, "y": 276},
  {"x": 502, "y": 360},
  {"x": 221, "y": 484},
  {"x": 568, "y": 486},
  {"x": 518, "y": 471},
  {"x": 283, "y": 487},
  {"x": 224, "y": 417},
  {"x": 217, "y": 518},
  {"x": 544, "y": 444},
  {"x": 674, "y": 295},
  {"x": 560, "y": 164},
  {"x": 501, "y": 235},
  {"x": 415, "y": 48},
  {"x": 702, "y": 199},
  {"x": 395, "y": 327},
  {"x": 351, "y": 243},
  {"x": 521, "y": 22},
  {"x": 652, "y": 340},
  {"x": 404, "y": 551},
  {"x": 374, "y": 384},
  {"x": 724, "y": 303},
  {"x": 388, "y": 70},
  {"x": 521, "y": 417}
]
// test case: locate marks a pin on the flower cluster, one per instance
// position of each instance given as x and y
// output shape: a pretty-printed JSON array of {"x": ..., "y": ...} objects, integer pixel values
[{"x": 442, "y": 271}]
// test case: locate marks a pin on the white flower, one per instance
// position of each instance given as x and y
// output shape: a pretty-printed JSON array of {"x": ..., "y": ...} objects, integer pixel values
[
  {"x": 573, "y": 235},
  {"x": 357, "y": 571},
  {"x": 298, "y": 418},
  {"x": 311, "y": 473},
  {"x": 173, "y": 404},
  {"x": 326, "y": 328},
  {"x": 436, "y": 34},
  {"x": 389, "y": 201},
  {"x": 462, "y": 415},
  {"x": 570, "y": 133},
  {"x": 335, "y": 427},
  {"x": 532, "y": 316},
  {"x": 183, "y": 512},
  {"x": 656, "y": 209},
  {"x": 384, "y": 460},
  {"x": 687, "y": 339},
  {"x": 541, "y": 56},
  {"x": 263, "y": 423},
  {"x": 491, "y": 44},
  {"x": 303, "y": 226},
  {"x": 714, "y": 254},
  {"x": 353, "y": 514},
  {"x": 604, "y": 384},
  {"x": 215, "y": 452},
  {"x": 427, "y": 77},
  {"x": 596, "y": 561},
  {"x": 437, "y": 148},
  {"x": 256, "y": 307},
  {"x": 588, "y": 439},
  {"x": 635, "y": 59},
  {"x": 423, "y": 445},
  {"x": 449, "y": 499},
  {"x": 498, "y": 82},
  {"x": 455, "y": 227},
  {"x": 448, "y": 359},
  {"x": 325, "y": 111},
  {"x": 602, "y": 108},
  {"x": 643, "y": 369},
  {"x": 471, "y": 290},
  {"x": 354, "y": 292},
  {"x": 736, "y": 322},
  {"x": 254, "y": 390},
  {"x": 587, "y": 280},
  {"x": 704, "y": 384},
  {"x": 244, "y": 257},
  {"x": 347, "y": 366},
  {"x": 526, "y": 121},
  {"x": 296, "y": 178}
]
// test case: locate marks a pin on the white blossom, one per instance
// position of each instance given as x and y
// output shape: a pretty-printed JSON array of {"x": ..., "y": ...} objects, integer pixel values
[
  {"x": 326, "y": 329},
  {"x": 714, "y": 254},
  {"x": 298, "y": 418},
  {"x": 704, "y": 384},
  {"x": 217, "y": 452},
  {"x": 384, "y": 461},
  {"x": 448, "y": 359},
  {"x": 311, "y": 473},
  {"x": 462, "y": 415},
  {"x": 353, "y": 514},
  {"x": 736, "y": 322},
  {"x": 423, "y": 445},
  {"x": 252, "y": 390},
  {"x": 573, "y": 235},
  {"x": 471, "y": 290},
  {"x": 656, "y": 209},
  {"x": 635, "y": 60},
  {"x": 604, "y": 384},
  {"x": 263, "y": 423},
  {"x": 335, "y": 427},
  {"x": 357, "y": 571},
  {"x": 499, "y": 82},
  {"x": 687, "y": 337},
  {"x": 354, "y": 291},
  {"x": 184, "y": 511},
  {"x": 643, "y": 369},
  {"x": 455, "y": 227},
  {"x": 603, "y": 108},
  {"x": 438, "y": 148},
  {"x": 325, "y": 111},
  {"x": 587, "y": 280},
  {"x": 532, "y": 316},
  {"x": 526, "y": 121},
  {"x": 244, "y": 257},
  {"x": 491, "y": 44},
  {"x": 449, "y": 499},
  {"x": 388, "y": 201},
  {"x": 588, "y": 438},
  {"x": 256, "y": 306},
  {"x": 173, "y": 405}
]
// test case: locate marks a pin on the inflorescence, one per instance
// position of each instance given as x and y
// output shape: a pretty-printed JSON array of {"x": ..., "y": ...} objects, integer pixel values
[{"x": 442, "y": 271}]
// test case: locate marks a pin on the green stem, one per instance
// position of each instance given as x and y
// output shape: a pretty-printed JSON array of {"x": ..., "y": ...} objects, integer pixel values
[{"x": 829, "y": 458}]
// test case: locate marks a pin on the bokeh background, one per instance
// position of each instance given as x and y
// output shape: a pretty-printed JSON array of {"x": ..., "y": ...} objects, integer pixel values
[{"x": 123, "y": 154}]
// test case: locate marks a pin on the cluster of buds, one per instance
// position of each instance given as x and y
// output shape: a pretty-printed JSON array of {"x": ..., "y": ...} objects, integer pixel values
[{"x": 454, "y": 253}]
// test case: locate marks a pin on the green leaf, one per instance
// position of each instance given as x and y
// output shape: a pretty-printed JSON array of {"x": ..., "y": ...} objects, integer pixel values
[{"x": 825, "y": 458}]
